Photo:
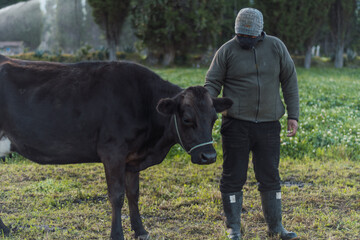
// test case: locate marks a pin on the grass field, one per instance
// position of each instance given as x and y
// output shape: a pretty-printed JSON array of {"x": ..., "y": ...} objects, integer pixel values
[{"x": 320, "y": 171}]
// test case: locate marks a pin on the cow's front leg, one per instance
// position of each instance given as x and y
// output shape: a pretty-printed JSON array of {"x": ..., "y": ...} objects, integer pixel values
[
  {"x": 4, "y": 230},
  {"x": 115, "y": 178},
  {"x": 132, "y": 194}
]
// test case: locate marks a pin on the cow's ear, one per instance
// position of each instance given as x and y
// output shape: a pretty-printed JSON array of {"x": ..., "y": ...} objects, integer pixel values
[
  {"x": 166, "y": 106},
  {"x": 221, "y": 104}
]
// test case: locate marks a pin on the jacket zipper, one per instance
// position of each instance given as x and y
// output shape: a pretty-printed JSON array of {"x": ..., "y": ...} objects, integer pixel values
[{"x": 258, "y": 82}]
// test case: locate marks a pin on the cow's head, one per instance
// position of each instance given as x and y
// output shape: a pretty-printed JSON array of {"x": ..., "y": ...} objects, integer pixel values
[{"x": 193, "y": 114}]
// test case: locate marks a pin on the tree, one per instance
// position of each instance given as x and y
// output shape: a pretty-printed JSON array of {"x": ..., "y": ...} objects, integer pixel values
[
  {"x": 170, "y": 28},
  {"x": 48, "y": 35},
  {"x": 22, "y": 22},
  {"x": 342, "y": 21},
  {"x": 280, "y": 20},
  {"x": 314, "y": 14},
  {"x": 93, "y": 34},
  {"x": 355, "y": 42},
  {"x": 296, "y": 22},
  {"x": 70, "y": 25},
  {"x": 110, "y": 15}
]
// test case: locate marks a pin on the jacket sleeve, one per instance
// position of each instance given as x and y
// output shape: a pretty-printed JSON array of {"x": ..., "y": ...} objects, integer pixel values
[
  {"x": 288, "y": 80},
  {"x": 216, "y": 74}
]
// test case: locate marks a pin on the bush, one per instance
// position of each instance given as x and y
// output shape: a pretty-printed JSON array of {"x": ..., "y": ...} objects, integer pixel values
[
  {"x": 83, "y": 54},
  {"x": 45, "y": 56},
  {"x": 131, "y": 56}
]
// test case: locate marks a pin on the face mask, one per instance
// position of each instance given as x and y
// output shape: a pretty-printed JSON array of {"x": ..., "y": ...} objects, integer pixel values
[{"x": 246, "y": 42}]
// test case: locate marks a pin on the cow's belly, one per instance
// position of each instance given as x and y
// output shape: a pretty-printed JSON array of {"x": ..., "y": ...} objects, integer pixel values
[
  {"x": 53, "y": 152},
  {"x": 58, "y": 157},
  {"x": 53, "y": 137}
]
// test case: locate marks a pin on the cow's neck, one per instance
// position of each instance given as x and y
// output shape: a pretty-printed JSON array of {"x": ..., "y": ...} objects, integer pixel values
[
  {"x": 155, "y": 154},
  {"x": 152, "y": 156}
]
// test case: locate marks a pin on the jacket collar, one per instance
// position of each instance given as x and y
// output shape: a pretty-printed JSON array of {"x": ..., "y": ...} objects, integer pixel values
[{"x": 258, "y": 39}]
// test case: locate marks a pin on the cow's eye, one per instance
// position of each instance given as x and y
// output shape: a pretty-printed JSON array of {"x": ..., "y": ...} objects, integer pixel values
[{"x": 188, "y": 121}]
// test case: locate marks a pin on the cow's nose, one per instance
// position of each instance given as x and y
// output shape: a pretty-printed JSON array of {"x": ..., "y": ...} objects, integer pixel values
[{"x": 207, "y": 158}]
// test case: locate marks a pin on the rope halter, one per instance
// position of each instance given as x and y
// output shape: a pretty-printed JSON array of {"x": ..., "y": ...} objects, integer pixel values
[{"x": 181, "y": 143}]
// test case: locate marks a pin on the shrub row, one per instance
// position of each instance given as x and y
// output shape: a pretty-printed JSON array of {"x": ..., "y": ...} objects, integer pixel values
[{"x": 79, "y": 56}]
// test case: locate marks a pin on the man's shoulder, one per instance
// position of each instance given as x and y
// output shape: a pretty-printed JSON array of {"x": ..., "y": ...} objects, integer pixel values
[
  {"x": 274, "y": 40},
  {"x": 228, "y": 45}
]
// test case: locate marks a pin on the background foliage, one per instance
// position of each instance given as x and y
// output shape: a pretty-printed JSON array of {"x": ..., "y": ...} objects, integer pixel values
[
  {"x": 26, "y": 26},
  {"x": 175, "y": 28},
  {"x": 110, "y": 15},
  {"x": 342, "y": 22},
  {"x": 179, "y": 31},
  {"x": 69, "y": 19},
  {"x": 297, "y": 23}
]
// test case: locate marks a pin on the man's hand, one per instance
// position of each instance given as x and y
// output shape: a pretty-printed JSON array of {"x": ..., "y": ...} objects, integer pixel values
[{"x": 292, "y": 127}]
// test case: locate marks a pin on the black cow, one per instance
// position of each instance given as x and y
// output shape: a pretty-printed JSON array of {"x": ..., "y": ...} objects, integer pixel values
[{"x": 118, "y": 113}]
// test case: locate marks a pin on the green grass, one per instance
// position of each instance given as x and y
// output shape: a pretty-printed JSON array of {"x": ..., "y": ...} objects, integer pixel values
[{"x": 320, "y": 169}]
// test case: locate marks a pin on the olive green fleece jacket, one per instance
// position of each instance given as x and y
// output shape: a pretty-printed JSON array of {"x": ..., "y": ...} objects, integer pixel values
[{"x": 252, "y": 79}]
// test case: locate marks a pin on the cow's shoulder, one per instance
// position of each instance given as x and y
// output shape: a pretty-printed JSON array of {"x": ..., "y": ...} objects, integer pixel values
[{"x": 5, "y": 69}]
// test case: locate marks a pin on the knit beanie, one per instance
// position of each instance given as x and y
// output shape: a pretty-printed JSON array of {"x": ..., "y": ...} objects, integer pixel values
[{"x": 249, "y": 21}]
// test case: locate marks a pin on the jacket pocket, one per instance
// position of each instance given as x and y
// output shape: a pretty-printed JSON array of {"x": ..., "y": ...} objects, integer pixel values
[{"x": 225, "y": 124}]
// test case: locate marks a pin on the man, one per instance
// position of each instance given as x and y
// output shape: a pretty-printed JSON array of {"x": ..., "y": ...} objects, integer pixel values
[{"x": 250, "y": 68}]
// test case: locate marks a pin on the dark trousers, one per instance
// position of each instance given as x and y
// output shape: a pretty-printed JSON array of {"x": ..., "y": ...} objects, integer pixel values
[{"x": 238, "y": 139}]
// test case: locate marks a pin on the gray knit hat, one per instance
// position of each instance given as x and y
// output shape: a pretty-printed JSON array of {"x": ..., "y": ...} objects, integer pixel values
[{"x": 249, "y": 21}]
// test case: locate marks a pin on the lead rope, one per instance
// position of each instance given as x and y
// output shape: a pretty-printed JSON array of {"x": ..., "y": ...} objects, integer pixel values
[{"x": 181, "y": 143}]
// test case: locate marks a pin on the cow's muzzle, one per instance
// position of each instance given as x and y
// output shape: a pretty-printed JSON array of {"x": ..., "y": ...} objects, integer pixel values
[
  {"x": 204, "y": 155},
  {"x": 208, "y": 158}
]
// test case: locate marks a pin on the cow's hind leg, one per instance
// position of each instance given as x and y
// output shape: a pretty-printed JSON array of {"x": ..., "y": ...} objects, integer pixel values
[
  {"x": 132, "y": 194},
  {"x": 4, "y": 231}
]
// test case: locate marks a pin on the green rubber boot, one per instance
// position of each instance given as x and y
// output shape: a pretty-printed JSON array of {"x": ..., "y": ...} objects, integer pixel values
[
  {"x": 232, "y": 203},
  {"x": 271, "y": 204}
]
